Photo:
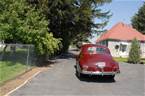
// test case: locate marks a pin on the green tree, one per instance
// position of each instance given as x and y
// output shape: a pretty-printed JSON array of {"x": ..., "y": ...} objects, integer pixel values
[
  {"x": 22, "y": 23},
  {"x": 73, "y": 20},
  {"x": 138, "y": 20},
  {"x": 134, "y": 54}
]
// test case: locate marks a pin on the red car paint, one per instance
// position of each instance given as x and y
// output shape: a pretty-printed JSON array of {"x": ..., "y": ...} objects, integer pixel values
[{"x": 88, "y": 61}]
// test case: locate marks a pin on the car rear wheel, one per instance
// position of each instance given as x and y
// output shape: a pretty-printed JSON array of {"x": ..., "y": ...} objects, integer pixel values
[{"x": 78, "y": 74}]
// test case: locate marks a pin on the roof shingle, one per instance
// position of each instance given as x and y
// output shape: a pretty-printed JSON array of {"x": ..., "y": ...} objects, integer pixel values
[{"x": 123, "y": 32}]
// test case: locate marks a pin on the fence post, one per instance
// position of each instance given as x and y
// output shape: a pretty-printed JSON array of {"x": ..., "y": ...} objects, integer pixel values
[{"x": 28, "y": 53}]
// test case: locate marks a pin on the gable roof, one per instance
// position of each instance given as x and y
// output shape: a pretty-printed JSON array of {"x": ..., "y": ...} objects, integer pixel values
[{"x": 123, "y": 32}]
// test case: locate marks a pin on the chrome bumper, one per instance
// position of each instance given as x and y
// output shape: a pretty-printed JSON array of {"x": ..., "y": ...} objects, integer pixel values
[{"x": 99, "y": 73}]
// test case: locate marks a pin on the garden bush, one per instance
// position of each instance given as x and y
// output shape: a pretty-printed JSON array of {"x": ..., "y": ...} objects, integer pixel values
[{"x": 134, "y": 54}]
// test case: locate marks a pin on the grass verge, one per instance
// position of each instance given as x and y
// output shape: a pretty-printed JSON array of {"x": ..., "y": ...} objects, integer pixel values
[
  {"x": 143, "y": 60},
  {"x": 120, "y": 59},
  {"x": 9, "y": 70}
]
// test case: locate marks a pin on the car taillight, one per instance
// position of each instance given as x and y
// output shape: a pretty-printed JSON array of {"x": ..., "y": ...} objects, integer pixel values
[
  {"x": 84, "y": 67},
  {"x": 116, "y": 67}
]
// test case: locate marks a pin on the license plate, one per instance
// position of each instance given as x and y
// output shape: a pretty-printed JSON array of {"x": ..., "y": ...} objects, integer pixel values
[{"x": 101, "y": 64}]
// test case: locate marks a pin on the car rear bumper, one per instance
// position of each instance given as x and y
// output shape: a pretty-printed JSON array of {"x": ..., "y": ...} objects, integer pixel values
[{"x": 99, "y": 73}]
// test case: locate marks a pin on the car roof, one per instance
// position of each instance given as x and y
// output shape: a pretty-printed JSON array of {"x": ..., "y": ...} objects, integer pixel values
[
  {"x": 92, "y": 45},
  {"x": 85, "y": 47}
]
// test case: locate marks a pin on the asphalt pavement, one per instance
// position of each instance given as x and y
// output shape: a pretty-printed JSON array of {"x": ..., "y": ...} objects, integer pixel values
[{"x": 60, "y": 80}]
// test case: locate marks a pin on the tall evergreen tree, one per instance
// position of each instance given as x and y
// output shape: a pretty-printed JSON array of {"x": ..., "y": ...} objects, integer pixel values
[
  {"x": 138, "y": 20},
  {"x": 72, "y": 20},
  {"x": 134, "y": 54}
]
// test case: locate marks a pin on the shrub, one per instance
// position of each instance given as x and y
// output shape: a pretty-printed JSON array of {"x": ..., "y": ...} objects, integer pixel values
[{"x": 134, "y": 54}]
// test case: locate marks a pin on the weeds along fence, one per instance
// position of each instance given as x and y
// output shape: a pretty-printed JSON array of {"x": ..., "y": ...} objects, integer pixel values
[
  {"x": 15, "y": 59},
  {"x": 18, "y": 53}
]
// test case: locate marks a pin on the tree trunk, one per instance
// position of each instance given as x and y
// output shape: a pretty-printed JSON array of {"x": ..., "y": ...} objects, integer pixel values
[
  {"x": 41, "y": 59},
  {"x": 65, "y": 44}
]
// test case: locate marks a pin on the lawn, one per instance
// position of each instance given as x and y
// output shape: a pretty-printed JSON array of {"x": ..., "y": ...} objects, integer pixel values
[
  {"x": 143, "y": 60},
  {"x": 9, "y": 70},
  {"x": 13, "y": 63},
  {"x": 119, "y": 59}
]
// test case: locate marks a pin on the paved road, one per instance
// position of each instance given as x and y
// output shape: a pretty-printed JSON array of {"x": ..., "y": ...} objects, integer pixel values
[{"x": 61, "y": 80}]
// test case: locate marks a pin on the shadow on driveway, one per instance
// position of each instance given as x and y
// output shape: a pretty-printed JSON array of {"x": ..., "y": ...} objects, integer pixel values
[
  {"x": 68, "y": 55},
  {"x": 54, "y": 60},
  {"x": 96, "y": 79}
]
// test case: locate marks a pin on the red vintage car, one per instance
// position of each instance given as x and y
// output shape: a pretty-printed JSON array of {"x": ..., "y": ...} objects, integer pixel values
[{"x": 96, "y": 60}]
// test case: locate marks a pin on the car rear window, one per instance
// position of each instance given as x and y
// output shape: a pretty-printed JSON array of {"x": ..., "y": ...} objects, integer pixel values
[{"x": 95, "y": 50}]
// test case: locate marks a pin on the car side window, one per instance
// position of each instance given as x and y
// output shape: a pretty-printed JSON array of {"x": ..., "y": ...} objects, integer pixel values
[{"x": 101, "y": 50}]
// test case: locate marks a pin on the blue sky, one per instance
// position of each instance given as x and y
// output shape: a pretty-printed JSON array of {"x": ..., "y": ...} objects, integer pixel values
[{"x": 122, "y": 11}]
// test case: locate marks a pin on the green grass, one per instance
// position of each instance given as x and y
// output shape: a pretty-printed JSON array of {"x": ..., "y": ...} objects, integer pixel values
[
  {"x": 119, "y": 59},
  {"x": 14, "y": 63},
  {"x": 143, "y": 60},
  {"x": 9, "y": 70}
]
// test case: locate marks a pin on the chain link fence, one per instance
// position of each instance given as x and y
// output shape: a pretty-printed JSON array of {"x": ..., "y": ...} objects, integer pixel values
[{"x": 15, "y": 59}]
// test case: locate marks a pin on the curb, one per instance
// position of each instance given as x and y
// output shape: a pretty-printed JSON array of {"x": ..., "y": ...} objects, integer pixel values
[{"x": 22, "y": 84}]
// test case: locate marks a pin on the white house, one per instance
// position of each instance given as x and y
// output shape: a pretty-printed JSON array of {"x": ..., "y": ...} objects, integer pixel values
[
  {"x": 118, "y": 40},
  {"x": 1, "y": 44}
]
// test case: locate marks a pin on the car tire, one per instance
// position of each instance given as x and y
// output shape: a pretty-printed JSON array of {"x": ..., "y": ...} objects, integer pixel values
[{"x": 79, "y": 75}]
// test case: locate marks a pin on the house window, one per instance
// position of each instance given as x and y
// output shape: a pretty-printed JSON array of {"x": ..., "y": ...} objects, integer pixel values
[
  {"x": 123, "y": 47},
  {"x": 105, "y": 43},
  {"x": 116, "y": 47}
]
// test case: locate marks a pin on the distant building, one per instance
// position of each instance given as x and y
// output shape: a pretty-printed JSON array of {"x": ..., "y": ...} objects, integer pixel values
[
  {"x": 118, "y": 40},
  {"x": 1, "y": 44}
]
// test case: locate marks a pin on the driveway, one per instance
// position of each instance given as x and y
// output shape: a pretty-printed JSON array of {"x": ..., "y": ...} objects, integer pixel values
[{"x": 61, "y": 80}]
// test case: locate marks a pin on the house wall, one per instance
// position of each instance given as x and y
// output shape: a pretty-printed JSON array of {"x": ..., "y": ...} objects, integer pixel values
[
  {"x": 1, "y": 44},
  {"x": 118, "y": 52},
  {"x": 142, "y": 46}
]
